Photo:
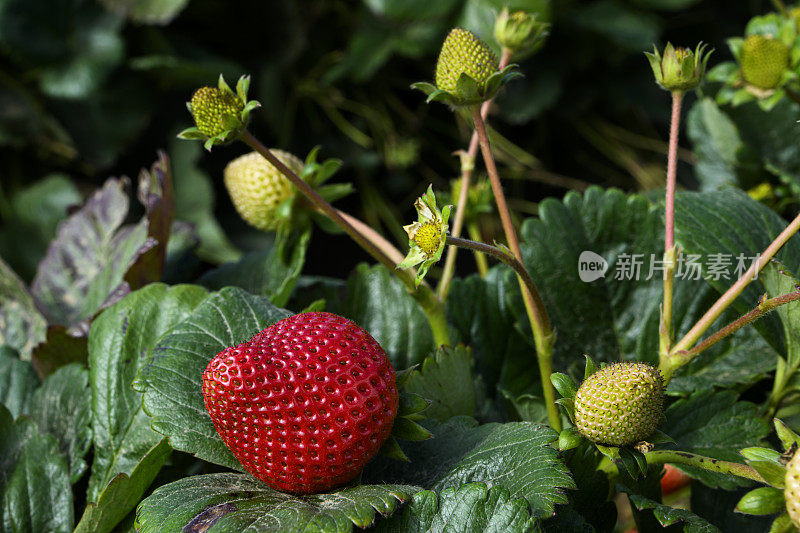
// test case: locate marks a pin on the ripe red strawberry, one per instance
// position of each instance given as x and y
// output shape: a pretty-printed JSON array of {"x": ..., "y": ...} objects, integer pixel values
[{"x": 305, "y": 403}]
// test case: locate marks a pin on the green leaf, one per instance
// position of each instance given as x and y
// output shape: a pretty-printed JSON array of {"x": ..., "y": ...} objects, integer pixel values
[
  {"x": 17, "y": 382},
  {"x": 171, "y": 379},
  {"x": 86, "y": 263},
  {"x": 470, "y": 508},
  {"x": 718, "y": 146},
  {"x": 479, "y": 310},
  {"x": 22, "y": 327},
  {"x": 119, "y": 342},
  {"x": 379, "y": 302},
  {"x": 147, "y": 11},
  {"x": 627, "y": 28},
  {"x": 61, "y": 407},
  {"x": 714, "y": 424},
  {"x": 122, "y": 492},
  {"x": 270, "y": 273},
  {"x": 445, "y": 378},
  {"x": 516, "y": 455},
  {"x": 730, "y": 222},
  {"x": 237, "y": 502},
  {"x": 13, "y": 438},
  {"x": 761, "y": 501},
  {"x": 38, "y": 496},
  {"x": 668, "y": 515}
]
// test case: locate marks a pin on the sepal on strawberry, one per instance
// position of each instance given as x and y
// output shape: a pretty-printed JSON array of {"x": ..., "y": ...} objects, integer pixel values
[
  {"x": 466, "y": 72},
  {"x": 219, "y": 113}
]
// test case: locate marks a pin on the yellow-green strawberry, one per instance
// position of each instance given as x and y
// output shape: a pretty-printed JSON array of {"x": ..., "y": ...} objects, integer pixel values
[
  {"x": 792, "y": 490},
  {"x": 209, "y": 105},
  {"x": 464, "y": 53},
  {"x": 257, "y": 188},
  {"x": 620, "y": 404},
  {"x": 764, "y": 61}
]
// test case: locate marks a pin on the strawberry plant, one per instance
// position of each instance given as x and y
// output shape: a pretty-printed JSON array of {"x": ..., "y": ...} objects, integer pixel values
[{"x": 614, "y": 360}]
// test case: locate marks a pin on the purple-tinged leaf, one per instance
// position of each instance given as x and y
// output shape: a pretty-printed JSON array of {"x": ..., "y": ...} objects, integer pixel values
[{"x": 21, "y": 325}]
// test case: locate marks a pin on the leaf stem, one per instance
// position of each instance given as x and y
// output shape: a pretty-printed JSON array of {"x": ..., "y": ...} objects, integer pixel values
[
  {"x": 432, "y": 306},
  {"x": 467, "y": 167},
  {"x": 690, "y": 459},
  {"x": 779, "y": 5},
  {"x": 669, "y": 223},
  {"x": 496, "y": 252},
  {"x": 735, "y": 290},
  {"x": 543, "y": 336}
]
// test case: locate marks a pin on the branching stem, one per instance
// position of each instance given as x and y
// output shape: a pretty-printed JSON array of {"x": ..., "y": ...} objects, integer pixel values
[
  {"x": 424, "y": 295},
  {"x": 690, "y": 459},
  {"x": 543, "y": 336}
]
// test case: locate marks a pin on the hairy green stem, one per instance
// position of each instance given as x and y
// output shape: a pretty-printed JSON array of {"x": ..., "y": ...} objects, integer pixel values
[
  {"x": 736, "y": 289},
  {"x": 467, "y": 166},
  {"x": 496, "y": 252},
  {"x": 480, "y": 259},
  {"x": 432, "y": 306},
  {"x": 690, "y": 459},
  {"x": 669, "y": 224},
  {"x": 543, "y": 336}
]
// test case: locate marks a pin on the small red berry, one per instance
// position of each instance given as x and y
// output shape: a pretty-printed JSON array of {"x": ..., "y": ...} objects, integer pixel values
[
  {"x": 305, "y": 403},
  {"x": 673, "y": 479}
]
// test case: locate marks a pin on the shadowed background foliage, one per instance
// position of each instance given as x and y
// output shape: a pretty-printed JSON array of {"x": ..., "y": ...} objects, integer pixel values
[{"x": 92, "y": 88}]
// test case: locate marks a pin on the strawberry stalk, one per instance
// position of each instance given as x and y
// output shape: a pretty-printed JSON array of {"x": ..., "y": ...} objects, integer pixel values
[
  {"x": 543, "y": 335},
  {"x": 467, "y": 166},
  {"x": 431, "y": 305},
  {"x": 657, "y": 457},
  {"x": 670, "y": 252}
]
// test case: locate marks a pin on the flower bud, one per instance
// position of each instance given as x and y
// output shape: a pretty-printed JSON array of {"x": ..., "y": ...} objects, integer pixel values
[
  {"x": 679, "y": 69},
  {"x": 519, "y": 31}
]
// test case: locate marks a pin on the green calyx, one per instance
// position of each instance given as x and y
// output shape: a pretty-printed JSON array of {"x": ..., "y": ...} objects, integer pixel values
[
  {"x": 520, "y": 32},
  {"x": 763, "y": 61},
  {"x": 791, "y": 491},
  {"x": 620, "y": 405},
  {"x": 219, "y": 113},
  {"x": 467, "y": 71},
  {"x": 679, "y": 69}
]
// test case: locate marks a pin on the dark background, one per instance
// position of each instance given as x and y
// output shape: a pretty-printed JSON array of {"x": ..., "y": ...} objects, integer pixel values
[{"x": 92, "y": 89}]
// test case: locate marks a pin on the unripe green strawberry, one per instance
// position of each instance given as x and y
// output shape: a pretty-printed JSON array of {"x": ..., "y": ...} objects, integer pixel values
[
  {"x": 621, "y": 404},
  {"x": 464, "y": 53},
  {"x": 209, "y": 105},
  {"x": 764, "y": 61},
  {"x": 792, "y": 490},
  {"x": 257, "y": 188}
]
